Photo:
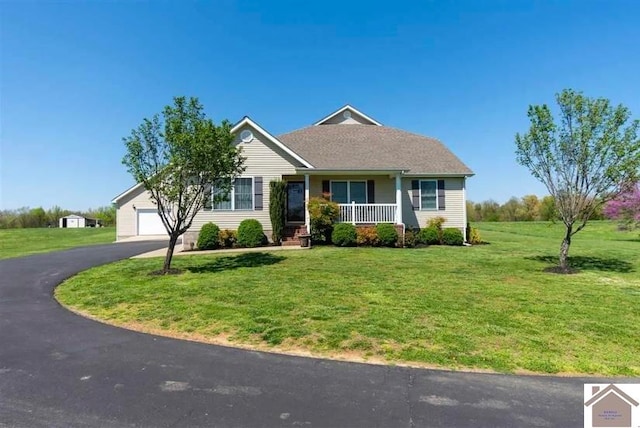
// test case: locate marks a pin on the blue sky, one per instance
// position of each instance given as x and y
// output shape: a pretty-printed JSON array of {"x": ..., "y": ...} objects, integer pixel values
[{"x": 78, "y": 76}]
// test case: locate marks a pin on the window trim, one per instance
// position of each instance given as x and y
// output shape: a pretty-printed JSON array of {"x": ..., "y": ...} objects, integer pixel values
[
  {"x": 366, "y": 191},
  {"x": 420, "y": 188},
  {"x": 232, "y": 198}
]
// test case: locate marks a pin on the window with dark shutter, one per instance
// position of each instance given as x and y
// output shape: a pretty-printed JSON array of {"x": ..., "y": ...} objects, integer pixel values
[
  {"x": 257, "y": 193},
  {"x": 441, "y": 205},
  {"x": 428, "y": 195},
  {"x": 326, "y": 188},
  {"x": 415, "y": 194}
]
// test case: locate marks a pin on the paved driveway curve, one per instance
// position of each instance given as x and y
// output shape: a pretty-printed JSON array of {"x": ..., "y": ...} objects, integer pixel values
[{"x": 58, "y": 369}]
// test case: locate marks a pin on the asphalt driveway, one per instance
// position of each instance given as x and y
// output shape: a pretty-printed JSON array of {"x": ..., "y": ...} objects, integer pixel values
[{"x": 58, "y": 369}]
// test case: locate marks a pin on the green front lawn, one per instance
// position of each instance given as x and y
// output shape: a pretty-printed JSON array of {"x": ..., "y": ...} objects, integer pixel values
[
  {"x": 23, "y": 242},
  {"x": 487, "y": 307}
]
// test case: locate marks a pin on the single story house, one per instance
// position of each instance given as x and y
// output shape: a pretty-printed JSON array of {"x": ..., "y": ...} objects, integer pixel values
[
  {"x": 376, "y": 173},
  {"x": 73, "y": 221}
]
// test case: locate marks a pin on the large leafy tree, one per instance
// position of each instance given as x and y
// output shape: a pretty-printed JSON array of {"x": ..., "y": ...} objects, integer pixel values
[
  {"x": 583, "y": 158},
  {"x": 178, "y": 157}
]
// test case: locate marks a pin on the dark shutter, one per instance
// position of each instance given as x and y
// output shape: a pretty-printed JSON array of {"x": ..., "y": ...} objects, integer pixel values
[
  {"x": 326, "y": 188},
  {"x": 371, "y": 191},
  {"x": 208, "y": 198},
  {"x": 415, "y": 194},
  {"x": 257, "y": 193},
  {"x": 441, "y": 205}
]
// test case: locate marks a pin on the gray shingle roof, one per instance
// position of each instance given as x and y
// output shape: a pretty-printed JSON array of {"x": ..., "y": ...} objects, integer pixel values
[{"x": 361, "y": 147}]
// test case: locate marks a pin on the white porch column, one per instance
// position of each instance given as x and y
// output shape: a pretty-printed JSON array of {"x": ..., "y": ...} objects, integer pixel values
[
  {"x": 307, "y": 217},
  {"x": 398, "y": 199}
]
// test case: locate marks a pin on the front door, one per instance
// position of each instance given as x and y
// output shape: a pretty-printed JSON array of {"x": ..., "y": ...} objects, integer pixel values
[{"x": 295, "y": 201}]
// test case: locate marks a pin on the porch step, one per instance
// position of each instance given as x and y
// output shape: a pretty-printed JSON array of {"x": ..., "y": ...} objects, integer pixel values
[
  {"x": 294, "y": 231},
  {"x": 291, "y": 242},
  {"x": 291, "y": 235}
]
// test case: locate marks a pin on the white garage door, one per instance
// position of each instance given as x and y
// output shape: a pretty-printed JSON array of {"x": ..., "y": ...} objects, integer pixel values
[{"x": 149, "y": 223}]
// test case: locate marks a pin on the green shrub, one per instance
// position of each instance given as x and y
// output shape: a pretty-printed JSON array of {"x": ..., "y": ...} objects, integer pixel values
[
  {"x": 208, "y": 238},
  {"x": 429, "y": 236},
  {"x": 410, "y": 238},
  {"x": 323, "y": 214},
  {"x": 474, "y": 237},
  {"x": 227, "y": 238},
  {"x": 344, "y": 235},
  {"x": 250, "y": 233},
  {"x": 452, "y": 236},
  {"x": 277, "y": 208},
  {"x": 437, "y": 223},
  {"x": 367, "y": 236},
  {"x": 387, "y": 234}
]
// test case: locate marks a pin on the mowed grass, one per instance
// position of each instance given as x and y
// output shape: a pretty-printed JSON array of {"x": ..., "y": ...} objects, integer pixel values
[
  {"x": 23, "y": 242},
  {"x": 483, "y": 307}
]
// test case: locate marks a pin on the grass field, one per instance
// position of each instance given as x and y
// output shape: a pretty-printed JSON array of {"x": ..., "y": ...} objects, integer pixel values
[
  {"x": 23, "y": 242},
  {"x": 484, "y": 307}
]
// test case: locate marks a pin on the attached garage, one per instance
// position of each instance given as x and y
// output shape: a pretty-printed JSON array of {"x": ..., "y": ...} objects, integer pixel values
[{"x": 150, "y": 223}]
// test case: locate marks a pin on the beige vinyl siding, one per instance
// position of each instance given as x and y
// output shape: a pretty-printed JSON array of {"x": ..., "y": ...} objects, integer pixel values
[
  {"x": 454, "y": 204},
  {"x": 126, "y": 217},
  {"x": 262, "y": 159},
  {"x": 385, "y": 190}
]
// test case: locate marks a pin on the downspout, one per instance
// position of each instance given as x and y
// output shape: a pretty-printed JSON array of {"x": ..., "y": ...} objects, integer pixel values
[{"x": 464, "y": 208}]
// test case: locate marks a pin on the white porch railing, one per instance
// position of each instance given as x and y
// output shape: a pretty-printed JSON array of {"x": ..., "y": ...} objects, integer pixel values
[{"x": 367, "y": 213}]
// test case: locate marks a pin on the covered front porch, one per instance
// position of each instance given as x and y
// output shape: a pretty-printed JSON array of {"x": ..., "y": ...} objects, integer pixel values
[{"x": 364, "y": 197}]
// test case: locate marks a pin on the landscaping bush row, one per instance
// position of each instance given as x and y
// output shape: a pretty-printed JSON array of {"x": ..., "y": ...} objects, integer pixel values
[
  {"x": 250, "y": 234},
  {"x": 347, "y": 235},
  {"x": 386, "y": 235}
]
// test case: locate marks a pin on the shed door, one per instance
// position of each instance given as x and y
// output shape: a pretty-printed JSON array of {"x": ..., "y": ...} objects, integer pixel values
[{"x": 149, "y": 223}]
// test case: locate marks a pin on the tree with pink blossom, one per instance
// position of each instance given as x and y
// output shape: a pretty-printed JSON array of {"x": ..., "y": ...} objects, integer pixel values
[{"x": 625, "y": 207}]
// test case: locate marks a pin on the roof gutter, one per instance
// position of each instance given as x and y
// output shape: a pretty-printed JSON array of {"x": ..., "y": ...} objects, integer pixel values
[
  {"x": 349, "y": 171},
  {"x": 126, "y": 192},
  {"x": 470, "y": 174}
]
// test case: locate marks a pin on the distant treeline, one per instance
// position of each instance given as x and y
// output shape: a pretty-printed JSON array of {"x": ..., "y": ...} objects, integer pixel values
[
  {"x": 39, "y": 217},
  {"x": 527, "y": 208}
]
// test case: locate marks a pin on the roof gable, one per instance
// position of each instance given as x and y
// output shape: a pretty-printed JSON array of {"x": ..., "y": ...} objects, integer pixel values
[
  {"x": 347, "y": 115},
  {"x": 242, "y": 124},
  {"x": 247, "y": 121}
]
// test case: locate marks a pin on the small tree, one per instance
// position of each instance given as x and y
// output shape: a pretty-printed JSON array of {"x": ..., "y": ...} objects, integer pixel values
[
  {"x": 323, "y": 214},
  {"x": 625, "y": 207},
  {"x": 583, "y": 160},
  {"x": 178, "y": 158},
  {"x": 277, "y": 209}
]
